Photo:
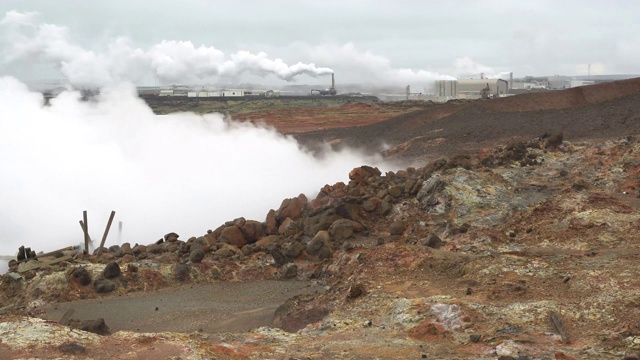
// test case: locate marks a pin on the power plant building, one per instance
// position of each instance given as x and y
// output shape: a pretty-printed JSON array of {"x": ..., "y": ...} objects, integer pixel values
[
  {"x": 447, "y": 89},
  {"x": 472, "y": 88}
]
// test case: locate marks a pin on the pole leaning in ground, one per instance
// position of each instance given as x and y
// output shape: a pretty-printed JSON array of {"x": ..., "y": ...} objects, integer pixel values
[
  {"x": 106, "y": 232},
  {"x": 85, "y": 227}
]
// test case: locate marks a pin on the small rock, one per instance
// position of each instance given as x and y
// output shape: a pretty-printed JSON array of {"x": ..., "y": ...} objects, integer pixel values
[
  {"x": 319, "y": 241},
  {"x": 97, "y": 326},
  {"x": 384, "y": 208},
  {"x": 114, "y": 249},
  {"x": 171, "y": 237},
  {"x": 82, "y": 276},
  {"x": 103, "y": 286},
  {"x": 181, "y": 272},
  {"x": 72, "y": 348},
  {"x": 132, "y": 268},
  {"x": 396, "y": 228},
  {"x": 112, "y": 270},
  {"x": 291, "y": 271},
  {"x": 278, "y": 257},
  {"x": 396, "y": 191},
  {"x": 433, "y": 241},
  {"x": 356, "y": 290},
  {"x": 196, "y": 256},
  {"x": 474, "y": 338}
]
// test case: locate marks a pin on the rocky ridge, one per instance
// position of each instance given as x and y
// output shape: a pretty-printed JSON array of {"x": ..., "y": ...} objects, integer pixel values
[{"x": 523, "y": 251}]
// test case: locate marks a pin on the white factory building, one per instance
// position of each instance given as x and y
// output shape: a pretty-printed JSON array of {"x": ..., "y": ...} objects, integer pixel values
[{"x": 471, "y": 88}]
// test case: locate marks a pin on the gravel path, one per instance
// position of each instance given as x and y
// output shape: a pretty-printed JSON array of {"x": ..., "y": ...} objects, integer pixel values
[{"x": 211, "y": 308}]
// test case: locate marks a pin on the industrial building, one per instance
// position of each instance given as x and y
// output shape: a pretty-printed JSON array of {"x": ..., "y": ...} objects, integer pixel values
[
  {"x": 470, "y": 89},
  {"x": 474, "y": 88}
]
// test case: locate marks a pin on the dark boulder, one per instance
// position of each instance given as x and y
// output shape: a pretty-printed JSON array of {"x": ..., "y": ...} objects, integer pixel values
[
  {"x": 82, "y": 276},
  {"x": 103, "y": 286},
  {"x": 112, "y": 270}
]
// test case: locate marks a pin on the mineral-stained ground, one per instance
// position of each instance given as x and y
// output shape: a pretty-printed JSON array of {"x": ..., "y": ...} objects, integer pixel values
[{"x": 512, "y": 235}]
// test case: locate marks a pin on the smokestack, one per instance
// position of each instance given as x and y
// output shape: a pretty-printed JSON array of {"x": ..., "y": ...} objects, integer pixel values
[
  {"x": 333, "y": 82},
  {"x": 510, "y": 81}
]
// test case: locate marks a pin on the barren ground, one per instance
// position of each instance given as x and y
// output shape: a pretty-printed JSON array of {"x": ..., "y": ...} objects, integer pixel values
[{"x": 518, "y": 243}]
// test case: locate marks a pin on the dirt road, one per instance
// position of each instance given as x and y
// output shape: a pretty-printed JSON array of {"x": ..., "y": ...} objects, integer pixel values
[{"x": 211, "y": 308}]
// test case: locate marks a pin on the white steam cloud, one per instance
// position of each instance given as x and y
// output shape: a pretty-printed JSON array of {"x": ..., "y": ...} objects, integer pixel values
[
  {"x": 28, "y": 40},
  {"x": 466, "y": 67},
  {"x": 181, "y": 172},
  {"x": 367, "y": 65}
]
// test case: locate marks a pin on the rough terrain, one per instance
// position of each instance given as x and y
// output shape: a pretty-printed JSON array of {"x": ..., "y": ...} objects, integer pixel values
[{"x": 523, "y": 247}]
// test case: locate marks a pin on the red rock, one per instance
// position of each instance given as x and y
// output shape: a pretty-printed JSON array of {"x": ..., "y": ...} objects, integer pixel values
[
  {"x": 252, "y": 231},
  {"x": 233, "y": 235},
  {"x": 290, "y": 208},
  {"x": 284, "y": 226},
  {"x": 272, "y": 224}
]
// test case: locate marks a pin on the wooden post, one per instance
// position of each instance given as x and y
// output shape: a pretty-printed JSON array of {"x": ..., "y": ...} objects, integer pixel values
[
  {"x": 87, "y": 238},
  {"x": 86, "y": 232},
  {"x": 106, "y": 232}
]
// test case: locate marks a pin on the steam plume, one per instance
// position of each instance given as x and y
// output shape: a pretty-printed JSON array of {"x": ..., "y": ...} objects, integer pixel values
[
  {"x": 168, "y": 61},
  {"x": 181, "y": 172}
]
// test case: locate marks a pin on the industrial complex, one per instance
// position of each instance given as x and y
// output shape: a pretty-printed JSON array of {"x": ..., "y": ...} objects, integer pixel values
[{"x": 481, "y": 87}]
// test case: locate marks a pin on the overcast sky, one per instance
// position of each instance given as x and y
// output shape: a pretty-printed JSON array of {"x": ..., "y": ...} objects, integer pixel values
[{"x": 365, "y": 41}]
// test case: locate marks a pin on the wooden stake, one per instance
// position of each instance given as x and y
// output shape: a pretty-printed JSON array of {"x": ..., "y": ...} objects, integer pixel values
[
  {"x": 86, "y": 231},
  {"x": 106, "y": 232},
  {"x": 87, "y": 238}
]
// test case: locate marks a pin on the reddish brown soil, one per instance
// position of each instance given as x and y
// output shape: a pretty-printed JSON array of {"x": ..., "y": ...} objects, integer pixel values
[
  {"x": 594, "y": 112},
  {"x": 298, "y": 120}
]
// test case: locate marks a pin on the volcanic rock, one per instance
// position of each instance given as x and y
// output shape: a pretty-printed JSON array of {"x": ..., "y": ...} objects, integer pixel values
[
  {"x": 342, "y": 229},
  {"x": 224, "y": 252},
  {"x": 396, "y": 191},
  {"x": 271, "y": 223},
  {"x": 290, "y": 208},
  {"x": 171, "y": 237},
  {"x": 267, "y": 241},
  {"x": 233, "y": 235},
  {"x": 291, "y": 271},
  {"x": 384, "y": 208},
  {"x": 278, "y": 257},
  {"x": 97, "y": 326},
  {"x": 239, "y": 222},
  {"x": 112, "y": 270},
  {"x": 433, "y": 241},
  {"x": 81, "y": 275},
  {"x": 72, "y": 348},
  {"x": 252, "y": 231},
  {"x": 320, "y": 221},
  {"x": 396, "y": 228},
  {"x": 322, "y": 239},
  {"x": 285, "y": 225},
  {"x": 200, "y": 243},
  {"x": 103, "y": 286},
  {"x": 115, "y": 249},
  {"x": 356, "y": 290},
  {"x": 196, "y": 256},
  {"x": 181, "y": 272},
  {"x": 371, "y": 204},
  {"x": 126, "y": 249}
]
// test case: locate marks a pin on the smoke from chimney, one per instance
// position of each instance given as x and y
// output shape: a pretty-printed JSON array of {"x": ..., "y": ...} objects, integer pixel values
[{"x": 169, "y": 61}]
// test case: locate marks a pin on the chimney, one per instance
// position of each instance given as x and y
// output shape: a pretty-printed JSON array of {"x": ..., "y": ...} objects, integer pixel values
[
  {"x": 333, "y": 82},
  {"x": 510, "y": 80}
]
